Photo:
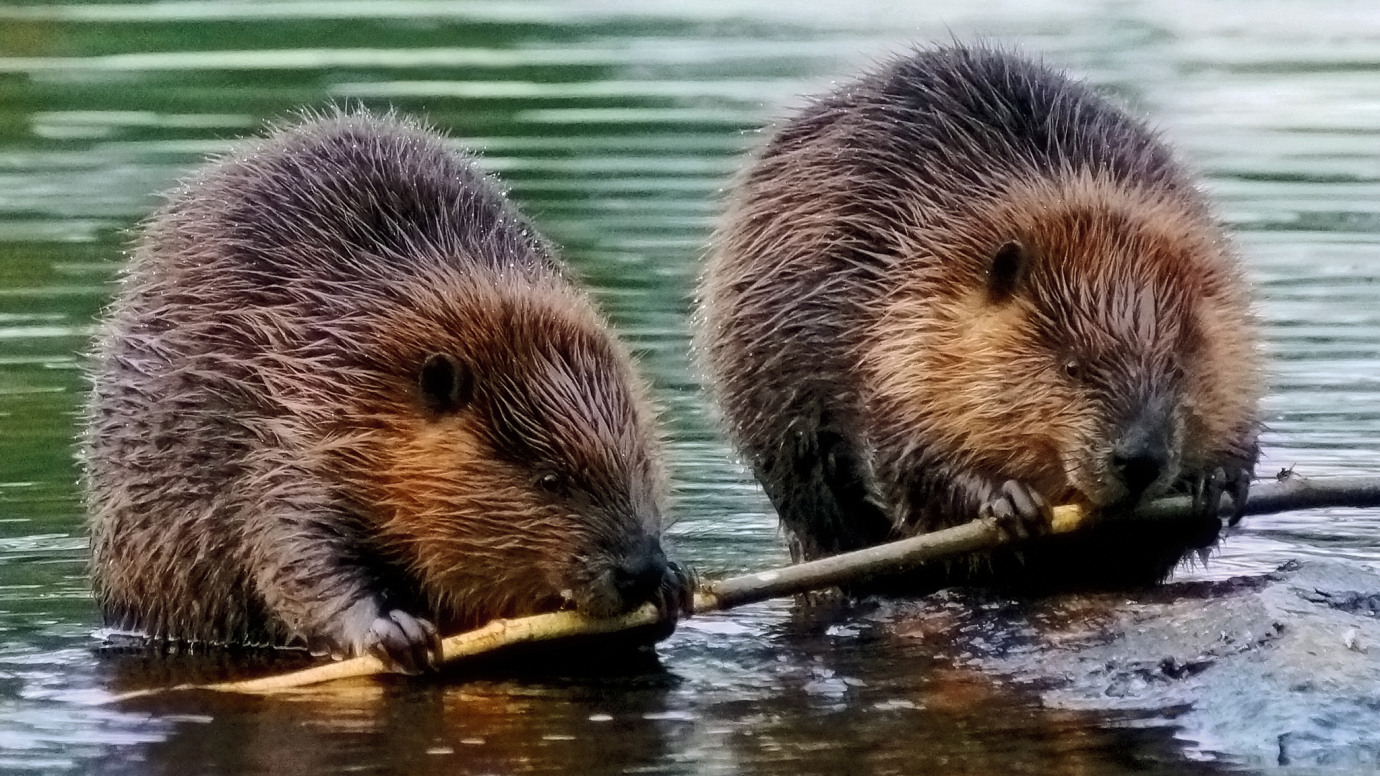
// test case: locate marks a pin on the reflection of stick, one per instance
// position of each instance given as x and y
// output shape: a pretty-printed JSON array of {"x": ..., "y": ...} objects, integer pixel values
[{"x": 1289, "y": 494}]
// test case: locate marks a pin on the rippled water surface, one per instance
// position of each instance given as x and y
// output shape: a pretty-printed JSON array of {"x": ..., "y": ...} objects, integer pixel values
[{"x": 616, "y": 130}]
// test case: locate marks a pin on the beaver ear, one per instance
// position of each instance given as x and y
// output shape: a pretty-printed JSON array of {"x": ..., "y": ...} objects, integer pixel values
[
  {"x": 1007, "y": 270},
  {"x": 445, "y": 383}
]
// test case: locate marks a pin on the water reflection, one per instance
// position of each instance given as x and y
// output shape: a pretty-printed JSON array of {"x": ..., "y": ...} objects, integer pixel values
[
  {"x": 568, "y": 722},
  {"x": 814, "y": 691}
]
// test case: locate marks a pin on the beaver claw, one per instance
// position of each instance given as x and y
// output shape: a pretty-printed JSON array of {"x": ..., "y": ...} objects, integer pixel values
[
  {"x": 676, "y": 597},
  {"x": 1208, "y": 487},
  {"x": 1240, "y": 484},
  {"x": 1019, "y": 511},
  {"x": 1207, "y": 490},
  {"x": 406, "y": 644}
]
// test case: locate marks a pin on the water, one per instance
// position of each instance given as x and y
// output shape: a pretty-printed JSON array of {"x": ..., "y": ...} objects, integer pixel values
[{"x": 616, "y": 130}]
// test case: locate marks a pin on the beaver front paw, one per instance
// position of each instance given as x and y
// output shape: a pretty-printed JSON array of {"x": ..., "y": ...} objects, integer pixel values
[
  {"x": 1207, "y": 488},
  {"x": 406, "y": 644},
  {"x": 1239, "y": 485},
  {"x": 1019, "y": 511},
  {"x": 676, "y": 597}
]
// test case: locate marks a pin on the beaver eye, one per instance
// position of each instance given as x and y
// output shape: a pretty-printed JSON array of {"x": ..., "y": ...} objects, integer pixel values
[
  {"x": 1073, "y": 369},
  {"x": 551, "y": 482}
]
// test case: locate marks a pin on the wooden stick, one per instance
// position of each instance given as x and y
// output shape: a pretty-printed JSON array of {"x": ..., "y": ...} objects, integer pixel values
[
  {"x": 713, "y": 596},
  {"x": 1289, "y": 494},
  {"x": 496, "y": 634},
  {"x": 858, "y": 565}
]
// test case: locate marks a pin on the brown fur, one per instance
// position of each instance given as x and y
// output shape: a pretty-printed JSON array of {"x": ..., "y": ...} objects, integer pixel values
[
  {"x": 965, "y": 269},
  {"x": 344, "y": 378}
]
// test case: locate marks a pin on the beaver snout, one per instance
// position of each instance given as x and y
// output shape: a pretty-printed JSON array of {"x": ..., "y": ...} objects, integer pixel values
[
  {"x": 1143, "y": 453},
  {"x": 1139, "y": 463},
  {"x": 638, "y": 575},
  {"x": 623, "y": 580}
]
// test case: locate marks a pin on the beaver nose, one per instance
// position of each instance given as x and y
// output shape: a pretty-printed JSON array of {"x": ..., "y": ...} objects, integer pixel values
[
  {"x": 638, "y": 575},
  {"x": 1140, "y": 457},
  {"x": 1138, "y": 470}
]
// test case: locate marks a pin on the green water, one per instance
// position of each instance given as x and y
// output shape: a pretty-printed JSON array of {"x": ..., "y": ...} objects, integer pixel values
[{"x": 616, "y": 130}]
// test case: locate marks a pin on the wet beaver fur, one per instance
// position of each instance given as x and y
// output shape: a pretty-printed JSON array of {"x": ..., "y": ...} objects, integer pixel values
[
  {"x": 346, "y": 394},
  {"x": 966, "y": 284}
]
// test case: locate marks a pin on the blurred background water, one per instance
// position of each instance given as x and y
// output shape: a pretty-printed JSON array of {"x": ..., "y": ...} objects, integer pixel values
[{"x": 616, "y": 125}]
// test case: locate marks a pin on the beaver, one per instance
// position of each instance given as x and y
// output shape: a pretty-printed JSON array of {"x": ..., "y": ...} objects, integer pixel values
[
  {"x": 347, "y": 395},
  {"x": 966, "y": 284}
]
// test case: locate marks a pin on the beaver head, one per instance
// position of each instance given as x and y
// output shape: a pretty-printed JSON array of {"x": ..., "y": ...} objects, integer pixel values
[
  {"x": 509, "y": 458},
  {"x": 1086, "y": 337}
]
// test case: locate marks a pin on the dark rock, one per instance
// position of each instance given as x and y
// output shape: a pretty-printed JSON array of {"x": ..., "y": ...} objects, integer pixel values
[{"x": 1282, "y": 669}]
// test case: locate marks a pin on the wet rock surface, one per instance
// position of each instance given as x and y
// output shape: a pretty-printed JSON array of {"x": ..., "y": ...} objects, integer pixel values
[{"x": 1276, "y": 670}]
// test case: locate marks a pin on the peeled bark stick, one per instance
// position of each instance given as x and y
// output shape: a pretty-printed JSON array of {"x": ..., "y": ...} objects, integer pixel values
[
  {"x": 496, "y": 634},
  {"x": 712, "y": 596},
  {"x": 859, "y": 565},
  {"x": 1289, "y": 494}
]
